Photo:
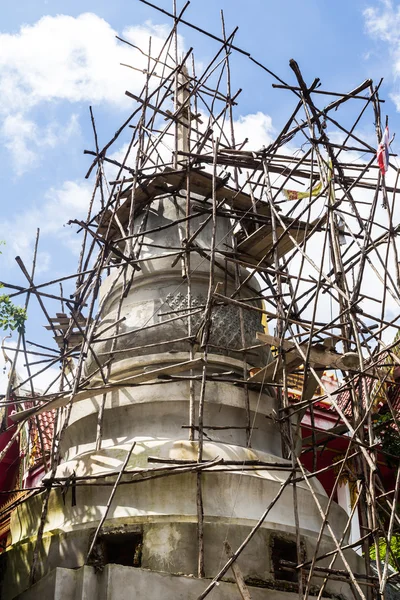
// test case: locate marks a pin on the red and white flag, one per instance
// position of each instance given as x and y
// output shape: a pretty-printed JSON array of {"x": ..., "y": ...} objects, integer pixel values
[{"x": 382, "y": 153}]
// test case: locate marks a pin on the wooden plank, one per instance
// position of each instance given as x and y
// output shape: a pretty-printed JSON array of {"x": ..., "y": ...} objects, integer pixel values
[
  {"x": 63, "y": 327},
  {"x": 67, "y": 320},
  {"x": 170, "y": 181},
  {"x": 273, "y": 371},
  {"x": 73, "y": 340},
  {"x": 201, "y": 183},
  {"x": 260, "y": 243},
  {"x": 319, "y": 355},
  {"x": 237, "y": 573},
  {"x": 311, "y": 388},
  {"x": 249, "y": 162},
  {"x": 144, "y": 193}
]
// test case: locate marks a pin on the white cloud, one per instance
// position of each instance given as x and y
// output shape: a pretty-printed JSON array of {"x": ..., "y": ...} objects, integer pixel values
[
  {"x": 74, "y": 59},
  {"x": 383, "y": 24},
  {"x": 61, "y": 204},
  {"x": 65, "y": 59},
  {"x": 71, "y": 199},
  {"x": 40, "y": 382},
  {"x": 257, "y": 128},
  {"x": 23, "y": 138},
  {"x": 119, "y": 155}
]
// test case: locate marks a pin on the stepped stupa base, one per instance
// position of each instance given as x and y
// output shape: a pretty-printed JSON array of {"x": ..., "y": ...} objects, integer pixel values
[{"x": 116, "y": 582}]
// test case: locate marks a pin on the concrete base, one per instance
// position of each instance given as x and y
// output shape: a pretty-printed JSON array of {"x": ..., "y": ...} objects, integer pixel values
[
  {"x": 118, "y": 583},
  {"x": 168, "y": 548}
]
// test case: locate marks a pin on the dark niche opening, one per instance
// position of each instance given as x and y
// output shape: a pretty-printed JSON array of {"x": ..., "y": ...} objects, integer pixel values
[
  {"x": 118, "y": 548},
  {"x": 124, "y": 549},
  {"x": 283, "y": 549}
]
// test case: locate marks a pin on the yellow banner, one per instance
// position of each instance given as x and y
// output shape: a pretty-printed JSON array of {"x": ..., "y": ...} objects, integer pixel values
[{"x": 294, "y": 195}]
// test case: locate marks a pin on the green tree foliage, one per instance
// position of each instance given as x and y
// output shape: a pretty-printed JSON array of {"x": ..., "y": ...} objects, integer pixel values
[
  {"x": 394, "y": 550},
  {"x": 387, "y": 431},
  {"x": 11, "y": 317},
  {"x": 389, "y": 437}
]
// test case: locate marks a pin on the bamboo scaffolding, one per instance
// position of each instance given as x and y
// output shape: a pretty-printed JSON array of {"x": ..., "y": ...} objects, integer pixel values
[{"x": 285, "y": 261}]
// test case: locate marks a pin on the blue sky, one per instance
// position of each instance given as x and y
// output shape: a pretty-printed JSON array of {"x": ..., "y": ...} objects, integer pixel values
[{"x": 57, "y": 58}]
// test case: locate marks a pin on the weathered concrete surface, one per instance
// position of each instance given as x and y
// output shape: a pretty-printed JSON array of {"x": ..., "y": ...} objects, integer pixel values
[
  {"x": 233, "y": 497},
  {"x": 167, "y": 547},
  {"x": 120, "y": 583}
]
